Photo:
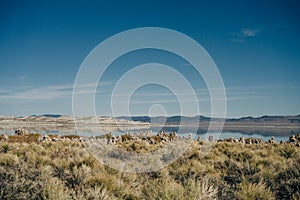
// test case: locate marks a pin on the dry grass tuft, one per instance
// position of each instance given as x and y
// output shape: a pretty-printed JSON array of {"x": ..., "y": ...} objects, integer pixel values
[{"x": 65, "y": 170}]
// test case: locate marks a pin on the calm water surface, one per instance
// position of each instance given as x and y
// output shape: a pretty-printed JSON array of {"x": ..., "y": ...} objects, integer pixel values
[{"x": 216, "y": 136}]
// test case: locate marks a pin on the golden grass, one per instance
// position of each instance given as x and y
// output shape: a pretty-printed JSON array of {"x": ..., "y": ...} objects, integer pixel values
[{"x": 66, "y": 170}]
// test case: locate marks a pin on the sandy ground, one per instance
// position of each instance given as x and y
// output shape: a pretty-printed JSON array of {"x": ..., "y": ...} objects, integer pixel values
[{"x": 69, "y": 124}]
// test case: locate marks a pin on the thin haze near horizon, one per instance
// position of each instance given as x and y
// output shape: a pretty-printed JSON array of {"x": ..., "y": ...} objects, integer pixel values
[{"x": 255, "y": 45}]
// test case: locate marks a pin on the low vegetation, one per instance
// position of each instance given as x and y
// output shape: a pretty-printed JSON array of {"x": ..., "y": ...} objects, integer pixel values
[{"x": 65, "y": 170}]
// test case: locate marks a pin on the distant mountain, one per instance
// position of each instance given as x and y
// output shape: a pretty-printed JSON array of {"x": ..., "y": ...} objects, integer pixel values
[
  {"x": 48, "y": 115},
  {"x": 136, "y": 118},
  {"x": 173, "y": 120},
  {"x": 267, "y": 118}
]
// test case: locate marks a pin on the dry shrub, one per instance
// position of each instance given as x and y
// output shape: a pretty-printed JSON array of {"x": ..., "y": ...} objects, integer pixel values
[
  {"x": 66, "y": 170},
  {"x": 253, "y": 191}
]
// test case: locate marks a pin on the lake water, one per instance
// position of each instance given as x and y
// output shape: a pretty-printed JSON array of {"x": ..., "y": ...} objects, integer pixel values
[{"x": 216, "y": 136}]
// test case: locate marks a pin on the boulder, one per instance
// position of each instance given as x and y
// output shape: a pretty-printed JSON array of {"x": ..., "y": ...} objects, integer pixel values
[
  {"x": 44, "y": 138},
  {"x": 293, "y": 139},
  {"x": 21, "y": 131},
  {"x": 272, "y": 140},
  {"x": 4, "y": 137},
  {"x": 242, "y": 140},
  {"x": 248, "y": 141}
]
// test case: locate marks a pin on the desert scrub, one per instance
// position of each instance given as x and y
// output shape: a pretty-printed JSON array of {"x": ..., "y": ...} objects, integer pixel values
[
  {"x": 253, "y": 191},
  {"x": 168, "y": 188},
  {"x": 5, "y": 147},
  {"x": 34, "y": 137},
  {"x": 287, "y": 182},
  {"x": 66, "y": 170},
  {"x": 71, "y": 137},
  {"x": 140, "y": 146}
]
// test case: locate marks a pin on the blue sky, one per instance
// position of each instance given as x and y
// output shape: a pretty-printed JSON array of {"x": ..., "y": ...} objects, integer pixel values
[{"x": 255, "y": 45}]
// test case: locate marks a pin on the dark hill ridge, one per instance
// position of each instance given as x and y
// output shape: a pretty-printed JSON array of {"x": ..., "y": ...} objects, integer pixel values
[
  {"x": 191, "y": 120},
  {"x": 200, "y": 118},
  {"x": 49, "y": 115},
  {"x": 264, "y": 125},
  {"x": 169, "y": 120}
]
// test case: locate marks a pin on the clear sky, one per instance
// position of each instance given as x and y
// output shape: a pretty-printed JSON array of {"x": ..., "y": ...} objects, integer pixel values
[{"x": 255, "y": 45}]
